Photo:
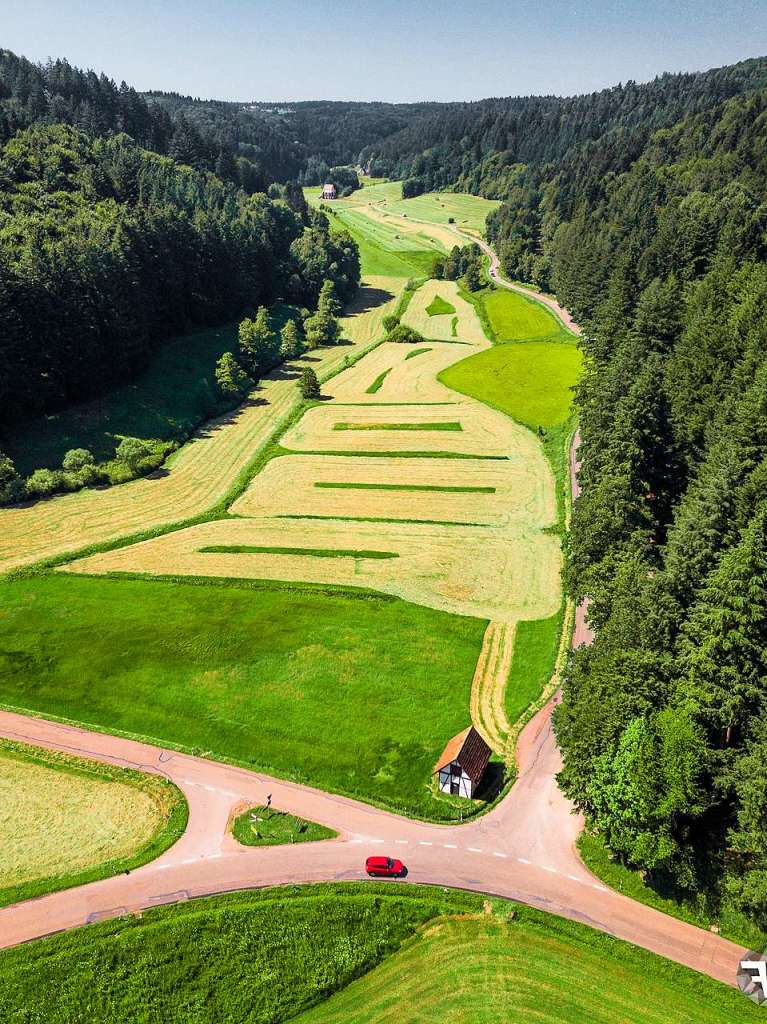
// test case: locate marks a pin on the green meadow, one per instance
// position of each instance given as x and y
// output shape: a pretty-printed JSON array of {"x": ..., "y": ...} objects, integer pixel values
[
  {"x": 352, "y": 953},
  {"x": 273, "y": 677}
]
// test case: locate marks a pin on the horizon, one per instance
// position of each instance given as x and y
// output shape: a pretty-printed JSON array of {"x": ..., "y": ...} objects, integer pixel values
[{"x": 383, "y": 55}]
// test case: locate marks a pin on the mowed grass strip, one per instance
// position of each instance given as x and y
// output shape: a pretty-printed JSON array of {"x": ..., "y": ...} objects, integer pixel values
[
  {"x": 487, "y": 970},
  {"x": 266, "y": 676},
  {"x": 536, "y": 644},
  {"x": 254, "y": 549},
  {"x": 377, "y": 384},
  {"x": 439, "y": 306},
  {"x": 265, "y": 826},
  {"x": 350, "y": 485},
  {"x": 416, "y": 352},
  {"x": 65, "y": 820},
  {"x": 445, "y": 425}
]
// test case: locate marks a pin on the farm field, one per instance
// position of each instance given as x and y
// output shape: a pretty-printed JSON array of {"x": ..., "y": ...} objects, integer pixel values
[
  {"x": 507, "y": 570},
  {"x": 530, "y": 381},
  {"x": 488, "y": 969},
  {"x": 246, "y": 672},
  {"x": 516, "y": 318},
  {"x": 469, "y": 212},
  {"x": 202, "y": 472},
  {"x": 65, "y": 820},
  {"x": 416, "y": 953}
]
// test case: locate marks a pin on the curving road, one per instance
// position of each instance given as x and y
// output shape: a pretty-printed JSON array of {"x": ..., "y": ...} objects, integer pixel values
[{"x": 524, "y": 849}]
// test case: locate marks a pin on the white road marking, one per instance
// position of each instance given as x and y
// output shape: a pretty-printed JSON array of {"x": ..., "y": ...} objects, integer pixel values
[
  {"x": 214, "y": 856},
  {"x": 401, "y": 842},
  {"x": 552, "y": 871},
  {"x": 450, "y": 846},
  {"x": 376, "y": 840},
  {"x": 210, "y": 789},
  {"x": 574, "y": 878},
  {"x": 189, "y": 860},
  {"x": 422, "y": 842},
  {"x": 226, "y": 792},
  {"x": 523, "y": 861},
  {"x": 162, "y": 867},
  {"x": 495, "y": 854},
  {"x": 473, "y": 849},
  {"x": 601, "y": 888}
]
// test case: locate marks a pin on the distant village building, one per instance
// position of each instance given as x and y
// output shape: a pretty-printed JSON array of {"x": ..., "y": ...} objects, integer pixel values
[
  {"x": 463, "y": 763},
  {"x": 329, "y": 192}
]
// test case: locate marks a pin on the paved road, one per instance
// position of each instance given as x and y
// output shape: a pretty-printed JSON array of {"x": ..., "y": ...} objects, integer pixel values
[{"x": 524, "y": 849}]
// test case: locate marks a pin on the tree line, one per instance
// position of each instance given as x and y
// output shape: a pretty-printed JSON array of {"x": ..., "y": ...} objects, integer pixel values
[{"x": 662, "y": 722}]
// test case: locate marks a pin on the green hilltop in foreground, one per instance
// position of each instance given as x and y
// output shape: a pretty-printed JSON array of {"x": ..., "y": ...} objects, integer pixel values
[{"x": 400, "y": 955}]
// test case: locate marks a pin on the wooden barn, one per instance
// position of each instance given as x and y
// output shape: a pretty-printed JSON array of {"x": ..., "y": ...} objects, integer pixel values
[
  {"x": 463, "y": 763},
  {"x": 329, "y": 191}
]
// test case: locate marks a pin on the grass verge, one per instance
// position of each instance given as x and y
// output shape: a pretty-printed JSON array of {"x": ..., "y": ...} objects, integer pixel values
[
  {"x": 406, "y": 953},
  {"x": 731, "y": 925},
  {"x": 264, "y": 826}
]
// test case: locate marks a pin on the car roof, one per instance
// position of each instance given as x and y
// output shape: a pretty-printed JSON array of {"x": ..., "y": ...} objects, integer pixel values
[{"x": 378, "y": 861}]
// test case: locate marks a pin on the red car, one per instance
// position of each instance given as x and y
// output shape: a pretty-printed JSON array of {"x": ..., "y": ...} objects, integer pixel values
[{"x": 384, "y": 867}]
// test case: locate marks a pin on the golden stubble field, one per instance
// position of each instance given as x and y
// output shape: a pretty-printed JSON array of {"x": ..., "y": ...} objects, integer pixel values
[
  {"x": 467, "y": 532},
  {"x": 55, "y": 821},
  {"x": 197, "y": 476},
  {"x": 395, "y": 483}
]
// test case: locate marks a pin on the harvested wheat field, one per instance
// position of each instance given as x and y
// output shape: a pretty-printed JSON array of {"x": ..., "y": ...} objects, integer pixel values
[
  {"x": 492, "y": 492},
  {"x": 440, "y": 326},
  {"x": 466, "y": 428},
  {"x": 390, "y": 372},
  {"x": 458, "y": 534},
  {"x": 503, "y": 574},
  {"x": 62, "y": 816},
  {"x": 200, "y": 474}
]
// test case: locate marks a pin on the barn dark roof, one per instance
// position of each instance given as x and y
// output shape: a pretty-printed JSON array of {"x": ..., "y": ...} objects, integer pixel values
[{"x": 469, "y": 750}]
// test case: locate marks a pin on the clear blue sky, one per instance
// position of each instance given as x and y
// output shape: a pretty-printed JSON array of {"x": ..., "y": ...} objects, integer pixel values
[{"x": 389, "y": 49}]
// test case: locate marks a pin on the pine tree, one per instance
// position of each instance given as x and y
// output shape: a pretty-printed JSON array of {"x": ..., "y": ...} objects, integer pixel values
[
  {"x": 232, "y": 381},
  {"x": 290, "y": 341},
  {"x": 308, "y": 384}
]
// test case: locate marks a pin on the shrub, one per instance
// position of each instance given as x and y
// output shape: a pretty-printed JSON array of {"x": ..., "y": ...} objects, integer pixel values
[
  {"x": 390, "y": 322},
  {"x": 77, "y": 459},
  {"x": 44, "y": 482},
  {"x": 405, "y": 334},
  {"x": 11, "y": 484},
  {"x": 451, "y": 220},
  {"x": 132, "y": 451}
]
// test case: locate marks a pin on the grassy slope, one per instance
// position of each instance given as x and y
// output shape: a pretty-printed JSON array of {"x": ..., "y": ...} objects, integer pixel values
[
  {"x": 487, "y": 970},
  {"x": 275, "y": 677},
  {"x": 176, "y": 393},
  {"x": 265, "y": 956},
  {"x": 171, "y": 805}
]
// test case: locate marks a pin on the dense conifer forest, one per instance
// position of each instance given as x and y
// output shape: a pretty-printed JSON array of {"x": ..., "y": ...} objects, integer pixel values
[{"x": 642, "y": 207}]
